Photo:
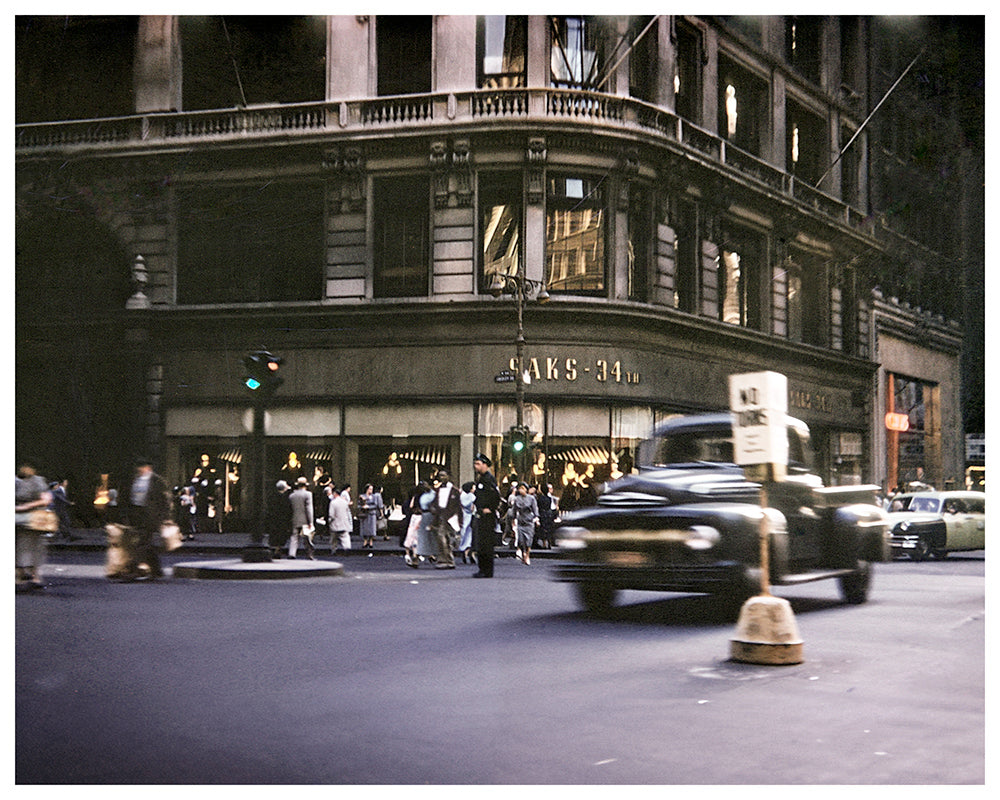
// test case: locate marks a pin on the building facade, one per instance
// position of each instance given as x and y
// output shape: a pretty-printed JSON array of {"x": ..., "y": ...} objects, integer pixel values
[{"x": 344, "y": 190}]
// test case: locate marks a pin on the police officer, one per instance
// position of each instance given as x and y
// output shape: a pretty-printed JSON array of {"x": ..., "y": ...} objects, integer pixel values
[{"x": 487, "y": 501}]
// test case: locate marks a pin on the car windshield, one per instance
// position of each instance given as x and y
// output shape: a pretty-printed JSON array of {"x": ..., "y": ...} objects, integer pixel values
[
  {"x": 926, "y": 505},
  {"x": 713, "y": 446},
  {"x": 687, "y": 448}
]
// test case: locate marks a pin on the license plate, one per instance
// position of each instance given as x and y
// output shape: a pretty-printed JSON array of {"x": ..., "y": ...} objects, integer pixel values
[{"x": 627, "y": 559}]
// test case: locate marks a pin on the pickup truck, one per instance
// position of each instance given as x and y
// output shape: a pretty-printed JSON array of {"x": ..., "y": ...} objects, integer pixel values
[{"x": 690, "y": 521}]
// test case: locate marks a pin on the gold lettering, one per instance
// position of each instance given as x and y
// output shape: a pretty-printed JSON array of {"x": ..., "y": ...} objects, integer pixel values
[
  {"x": 616, "y": 370},
  {"x": 551, "y": 369},
  {"x": 571, "y": 369},
  {"x": 602, "y": 370},
  {"x": 533, "y": 369}
]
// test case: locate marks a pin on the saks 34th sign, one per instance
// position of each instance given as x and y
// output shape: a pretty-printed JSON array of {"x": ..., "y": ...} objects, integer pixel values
[{"x": 571, "y": 370}]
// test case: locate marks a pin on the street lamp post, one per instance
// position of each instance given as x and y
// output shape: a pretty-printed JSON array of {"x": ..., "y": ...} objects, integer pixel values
[{"x": 521, "y": 289}]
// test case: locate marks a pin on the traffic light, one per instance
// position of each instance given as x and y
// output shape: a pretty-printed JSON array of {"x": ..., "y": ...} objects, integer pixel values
[
  {"x": 262, "y": 376},
  {"x": 520, "y": 437}
]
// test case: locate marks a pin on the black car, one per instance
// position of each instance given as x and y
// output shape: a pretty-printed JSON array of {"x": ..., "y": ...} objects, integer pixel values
[{"x": 690, "y": 521}]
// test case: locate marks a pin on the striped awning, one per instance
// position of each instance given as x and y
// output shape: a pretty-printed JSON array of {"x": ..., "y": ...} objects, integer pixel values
[
  {"x": 426, "y": 455},
  {"x": 583, "y": 455}
]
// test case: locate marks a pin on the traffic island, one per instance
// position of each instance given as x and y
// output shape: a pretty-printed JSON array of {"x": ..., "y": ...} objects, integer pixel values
[{"x": 237, "y": 569}]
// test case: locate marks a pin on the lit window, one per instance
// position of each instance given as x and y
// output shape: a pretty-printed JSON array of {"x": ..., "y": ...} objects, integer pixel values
[{"x": 575, "y": 237}]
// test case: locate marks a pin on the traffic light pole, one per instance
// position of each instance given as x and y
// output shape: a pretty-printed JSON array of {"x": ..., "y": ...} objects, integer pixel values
[{"x": 258, "y": 551}]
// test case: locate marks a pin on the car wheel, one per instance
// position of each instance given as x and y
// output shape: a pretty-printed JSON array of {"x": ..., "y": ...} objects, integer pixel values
[
  {"x": 596, "y": 597},
  {"x": 939, "y": 554},
  {"x": 922, "y": 550},
  {"x": 854, "y": 587}
]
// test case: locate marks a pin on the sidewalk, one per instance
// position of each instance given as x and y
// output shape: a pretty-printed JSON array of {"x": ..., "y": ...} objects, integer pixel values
[{"x": 228, "y": 544}]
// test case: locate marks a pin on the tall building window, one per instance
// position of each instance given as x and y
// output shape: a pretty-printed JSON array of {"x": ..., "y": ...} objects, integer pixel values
[
  {"x": 802, "y": 45},
  {"x": 502, "y": 45},
  {"x": 72, "y": 67},
  {"x": 743, "y": 107},
  {"x": 575, "y": 236},
  {"x": 849, "y": 167},
  {"x": 807, "y": 301},
  {"x": 687, "y": 252},
  {"x": 740, "y": 280},
  {"x": 251, "y": 243},
  {"x": 402, "y": 231},
  {"x": 403, "y": 50},
  {"x": 640, "y": 242},
  {"x": 500, "y": 214},
  {"x": 643, "y": 60},
  {"x": 577, "y": 52},
  {"x": 807, "y": 137},
  {"x": 687, "y": 78},
  {"x": 239, "y": 60}
]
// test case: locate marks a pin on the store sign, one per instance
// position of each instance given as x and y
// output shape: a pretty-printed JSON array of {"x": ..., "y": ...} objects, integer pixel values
[
  {"x": 759, "y": 402},
  {"x": 897, "y": 422},
  {"x": 571, "y": 370}
]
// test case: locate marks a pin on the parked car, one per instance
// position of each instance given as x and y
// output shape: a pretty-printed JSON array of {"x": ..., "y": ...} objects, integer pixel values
[
  {"x": 690, "y": 521},
  {"x": 932, "y": 524}
]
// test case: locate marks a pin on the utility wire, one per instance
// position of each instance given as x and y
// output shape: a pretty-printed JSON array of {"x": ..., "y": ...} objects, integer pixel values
[
  {"x": 857, "y": 133},
  {"x": 232, "y": 55}
]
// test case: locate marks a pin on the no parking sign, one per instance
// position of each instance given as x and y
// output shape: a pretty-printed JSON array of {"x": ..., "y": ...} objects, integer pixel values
[{"x": 759, "y": 402}]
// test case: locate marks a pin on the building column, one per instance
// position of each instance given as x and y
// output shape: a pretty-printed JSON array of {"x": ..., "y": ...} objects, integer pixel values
[{"x": 157, "y": 77}]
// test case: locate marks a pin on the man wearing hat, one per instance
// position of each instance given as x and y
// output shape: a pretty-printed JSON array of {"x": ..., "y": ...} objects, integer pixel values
[
  {"x": 301, "y": 501},
  {"x": 149, "y": 506},
  {"x": 447, "y": 514},
  {"x": 487, "y": 502}
]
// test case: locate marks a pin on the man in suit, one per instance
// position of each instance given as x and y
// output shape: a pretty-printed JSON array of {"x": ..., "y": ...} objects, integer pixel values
[
  {"x": 149, "y": 505},
  {"x": 301, "y": 501},
  {"x": 487, "y": 502},
  {"x": 446, "y": 519}
]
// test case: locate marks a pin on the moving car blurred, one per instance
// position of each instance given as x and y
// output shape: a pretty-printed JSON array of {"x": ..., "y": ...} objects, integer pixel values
[
  {"x": 932, "y": 524},
  {"x": 690, "y": 522}
]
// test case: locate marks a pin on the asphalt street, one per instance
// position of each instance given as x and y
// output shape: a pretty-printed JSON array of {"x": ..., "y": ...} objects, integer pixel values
[{"x": 388, "y": 675}]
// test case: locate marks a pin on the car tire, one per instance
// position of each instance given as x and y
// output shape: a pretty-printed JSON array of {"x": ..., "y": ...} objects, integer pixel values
[
  {"x": 922, "y": 550},
  {"x": 854, "y": 588},
  {"x": 938, "y": 554},
  {"x": 596, "y": 598}
]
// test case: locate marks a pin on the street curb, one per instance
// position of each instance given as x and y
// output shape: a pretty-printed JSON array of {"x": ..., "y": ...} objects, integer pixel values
[{"x": 265, "y": 570}]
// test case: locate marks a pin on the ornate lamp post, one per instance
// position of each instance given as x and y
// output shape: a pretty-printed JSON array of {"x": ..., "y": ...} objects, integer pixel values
[{"x": 521, "y": 289}]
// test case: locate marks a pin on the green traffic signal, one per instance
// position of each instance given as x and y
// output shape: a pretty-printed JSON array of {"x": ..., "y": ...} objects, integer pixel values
[{"x": 262, "y": 372}]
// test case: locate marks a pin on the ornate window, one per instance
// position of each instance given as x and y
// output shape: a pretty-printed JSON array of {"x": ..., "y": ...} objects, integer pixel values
[
  {"x": 577, "y": 58},
  {"x": 501, "y": 44},
  {"x": 402, "y": 233},
  {"x": 500, "y": 214},
  {"x": 575, "y": 235}
]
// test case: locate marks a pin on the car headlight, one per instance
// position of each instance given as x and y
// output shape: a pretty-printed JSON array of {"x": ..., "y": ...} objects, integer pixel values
[
  {"x": 571, "y": 538},
  {"x": 701, "y": 537},
  {"x": 903, "y": 526}
]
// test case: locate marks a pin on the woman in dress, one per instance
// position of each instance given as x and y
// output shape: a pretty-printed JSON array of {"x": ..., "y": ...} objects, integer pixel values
[
  {"x": 31, "y": 491},
  {"x": 369, "y": 506},
  {"x": 525, "y": 509}
]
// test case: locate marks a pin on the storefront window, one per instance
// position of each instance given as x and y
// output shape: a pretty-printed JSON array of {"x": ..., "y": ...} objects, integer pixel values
[
  {"x": 913, "y": 445},
  {"x": 575, "y": 237}
]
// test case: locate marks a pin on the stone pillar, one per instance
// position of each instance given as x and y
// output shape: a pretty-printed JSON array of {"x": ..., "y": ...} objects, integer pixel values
[
  {"x": 157, "y": 78},
  {"x": 350, "y": 72},
  {"x": 454, "y": 52}
]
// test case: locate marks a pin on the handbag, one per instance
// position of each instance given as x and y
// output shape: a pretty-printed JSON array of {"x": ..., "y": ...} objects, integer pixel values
[
  {"x": 43, "y": 519},
  {"x": 171, "y": 535},
  {"x": 380, "y": 521}
]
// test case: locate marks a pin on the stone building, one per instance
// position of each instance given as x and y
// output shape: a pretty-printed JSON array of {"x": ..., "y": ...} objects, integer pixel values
[{"x": 345, "y": 191}]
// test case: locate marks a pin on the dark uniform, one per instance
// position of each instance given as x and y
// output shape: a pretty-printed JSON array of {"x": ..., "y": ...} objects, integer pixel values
[{"x": 484, "y": 532}]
